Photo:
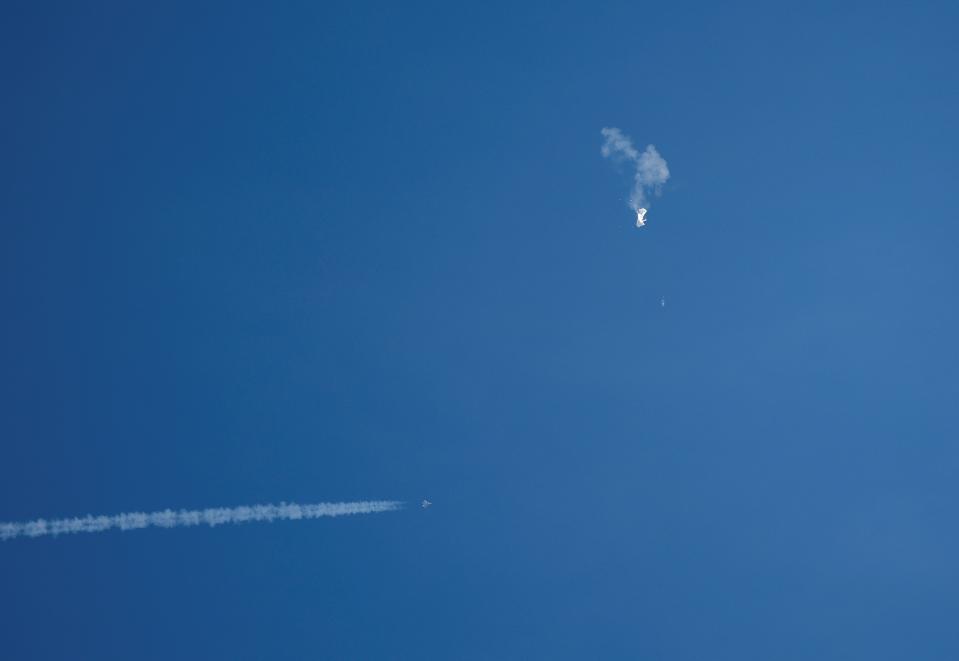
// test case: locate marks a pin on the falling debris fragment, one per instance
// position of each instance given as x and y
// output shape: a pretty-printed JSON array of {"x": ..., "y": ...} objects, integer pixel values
[
  {"x": 662, "y": 302},
  {"x": 640, "y": 217}
]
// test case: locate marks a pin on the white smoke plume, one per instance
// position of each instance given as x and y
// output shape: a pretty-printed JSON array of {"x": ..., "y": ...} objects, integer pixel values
[
  {"x": 651, "y": 169},
  {"x": 210, "y": 517}
]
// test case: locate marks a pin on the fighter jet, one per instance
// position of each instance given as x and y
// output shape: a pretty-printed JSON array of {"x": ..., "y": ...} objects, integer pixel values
[
  {"x": 425, "y": 504},
  {"x": 640, "y": 217}
]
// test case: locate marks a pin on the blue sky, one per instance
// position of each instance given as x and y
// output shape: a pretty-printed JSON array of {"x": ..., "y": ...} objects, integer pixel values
[{"x": 347, "y": 251}]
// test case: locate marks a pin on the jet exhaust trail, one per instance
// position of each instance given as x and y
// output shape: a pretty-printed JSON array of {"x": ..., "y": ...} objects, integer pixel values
[{"x": 211, "y": 517}]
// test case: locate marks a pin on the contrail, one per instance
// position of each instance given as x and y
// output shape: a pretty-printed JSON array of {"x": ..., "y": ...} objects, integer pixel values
[
  {"x": 211, "y": 517},
  {"x": 651, "y": 169}
]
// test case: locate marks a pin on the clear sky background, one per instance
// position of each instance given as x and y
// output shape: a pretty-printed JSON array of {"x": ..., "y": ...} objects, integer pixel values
[{"x": 340, "y": 251}]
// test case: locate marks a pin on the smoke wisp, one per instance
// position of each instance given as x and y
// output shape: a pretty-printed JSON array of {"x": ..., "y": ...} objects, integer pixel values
[
  {"x": 651, "y": 171},
  {"x": 211, "y": 517}
]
